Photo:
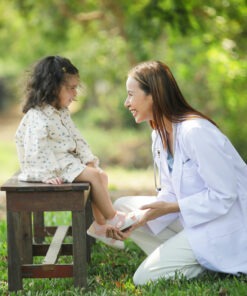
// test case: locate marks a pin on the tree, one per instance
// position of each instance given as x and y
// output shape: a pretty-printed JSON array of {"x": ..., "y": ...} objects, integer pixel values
[{"x": 204, "y": 44}]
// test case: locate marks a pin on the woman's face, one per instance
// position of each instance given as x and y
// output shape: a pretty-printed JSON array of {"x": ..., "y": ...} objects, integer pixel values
[
  {"x": 138, "y": 102},
  {"x": 68, "y": 91}
]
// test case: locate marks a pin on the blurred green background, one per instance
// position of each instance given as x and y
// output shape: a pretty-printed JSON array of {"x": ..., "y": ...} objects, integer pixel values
[{"x": 203, "y": 42}]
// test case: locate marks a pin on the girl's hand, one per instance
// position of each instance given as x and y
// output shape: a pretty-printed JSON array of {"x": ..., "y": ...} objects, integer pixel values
[
  {"x": 54, "y": 181},
  {"x": 90, "y": 164}
]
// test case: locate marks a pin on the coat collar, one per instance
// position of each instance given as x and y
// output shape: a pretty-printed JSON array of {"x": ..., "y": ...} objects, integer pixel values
[{"x": 177, "y": 165}]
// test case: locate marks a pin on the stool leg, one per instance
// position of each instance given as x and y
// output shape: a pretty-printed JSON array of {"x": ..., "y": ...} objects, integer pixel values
[
  {"x": 25, "y": 238},
  {"x": 79, "y": 248},
  {"x": 89, "y": 219},
  {"x": 19, "y": 232},
  {"x": 14, "y": 261},
  {"x": 38, "y": 223}
]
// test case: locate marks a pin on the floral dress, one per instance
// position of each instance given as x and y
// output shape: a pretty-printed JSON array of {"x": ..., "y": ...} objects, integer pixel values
[{"x": 49, "y": 145}]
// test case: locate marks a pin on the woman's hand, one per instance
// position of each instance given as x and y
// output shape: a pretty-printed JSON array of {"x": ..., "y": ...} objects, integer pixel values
[
  {"x": 54, "y": 181},
  {"x": 159, "y": 208},
  {"x": 115, "y": 233},
  {"x": 153, "y": 211}
]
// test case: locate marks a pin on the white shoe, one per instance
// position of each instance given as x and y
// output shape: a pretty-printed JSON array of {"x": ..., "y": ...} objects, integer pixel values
[
  {"x": 124, "y": 221},
  {"x": 100, "y": 234}
]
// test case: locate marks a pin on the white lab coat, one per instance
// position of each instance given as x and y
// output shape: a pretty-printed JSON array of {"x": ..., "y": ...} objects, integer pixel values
[{"x": 209, "y": 181}]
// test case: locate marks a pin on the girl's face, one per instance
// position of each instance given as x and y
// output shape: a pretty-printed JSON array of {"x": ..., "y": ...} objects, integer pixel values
[
  {"x": 68, "y": 91},
  {"x": 138, "y": 102}
]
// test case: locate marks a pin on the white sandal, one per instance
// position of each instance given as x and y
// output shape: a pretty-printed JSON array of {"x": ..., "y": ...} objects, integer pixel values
[
  {"x": 125, "y": 220},
  {"x": 100, "y": 234}
]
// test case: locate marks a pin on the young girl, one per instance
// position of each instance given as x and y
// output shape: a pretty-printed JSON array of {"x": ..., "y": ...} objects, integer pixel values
[{"x": 51, "y": 149}]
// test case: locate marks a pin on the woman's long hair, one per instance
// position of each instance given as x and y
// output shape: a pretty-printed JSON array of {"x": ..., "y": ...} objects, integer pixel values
[
  {"x": 156, "y": 79},
  {"x": 45, "y": 81}
]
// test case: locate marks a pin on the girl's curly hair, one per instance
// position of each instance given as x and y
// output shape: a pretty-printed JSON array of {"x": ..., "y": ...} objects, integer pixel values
[{"x": 45, "y": 81}]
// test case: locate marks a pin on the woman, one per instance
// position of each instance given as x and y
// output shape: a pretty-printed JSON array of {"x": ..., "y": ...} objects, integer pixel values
[{"x": 198, "y": 220}]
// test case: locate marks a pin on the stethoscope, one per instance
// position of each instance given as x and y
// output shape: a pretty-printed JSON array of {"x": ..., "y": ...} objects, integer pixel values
[
  {"x": 155, "y": 170},
  {"x": 158, "y": 184}
]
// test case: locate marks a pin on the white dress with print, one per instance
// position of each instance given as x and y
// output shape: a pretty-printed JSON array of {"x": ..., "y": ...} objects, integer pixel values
[{"x": 49, "y": 145}]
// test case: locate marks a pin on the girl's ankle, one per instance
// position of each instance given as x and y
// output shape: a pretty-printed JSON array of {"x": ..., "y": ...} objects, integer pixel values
[
  {"x": 115, "y": 220},
  {"x": 98, "y": 226}
]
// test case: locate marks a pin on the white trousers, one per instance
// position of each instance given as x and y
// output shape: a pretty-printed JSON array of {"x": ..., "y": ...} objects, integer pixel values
[{"x": 169, "y": 252}]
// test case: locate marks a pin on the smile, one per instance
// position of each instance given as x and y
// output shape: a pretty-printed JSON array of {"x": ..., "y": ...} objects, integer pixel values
[{"x": 133, "y": 112}]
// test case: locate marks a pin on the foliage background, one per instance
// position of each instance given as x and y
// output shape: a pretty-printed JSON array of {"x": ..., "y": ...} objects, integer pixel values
[{"x": 204, "y": 43}]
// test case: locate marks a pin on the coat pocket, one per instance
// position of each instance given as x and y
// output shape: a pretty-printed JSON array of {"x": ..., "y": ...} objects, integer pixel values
[
  {"x": 228, "y": 247},
  {"x": 191, "y": 181},
  {"x": 189, "y": 168}
]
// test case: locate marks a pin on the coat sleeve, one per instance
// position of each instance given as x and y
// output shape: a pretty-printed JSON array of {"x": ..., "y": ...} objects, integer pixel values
[
  {"x": 210, "y": 150},
  {"x": 160, "y": 223}
]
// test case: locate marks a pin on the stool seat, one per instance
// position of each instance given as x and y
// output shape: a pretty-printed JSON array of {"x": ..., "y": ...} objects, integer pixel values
[{"x": 26, "y": 203}]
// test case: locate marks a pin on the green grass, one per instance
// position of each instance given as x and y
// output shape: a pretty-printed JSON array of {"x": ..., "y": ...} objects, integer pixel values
[{"x": 110, "y": 273}]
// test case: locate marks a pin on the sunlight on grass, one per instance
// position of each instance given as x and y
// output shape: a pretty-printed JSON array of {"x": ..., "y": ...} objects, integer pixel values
[{"x": 121, "y": 178}]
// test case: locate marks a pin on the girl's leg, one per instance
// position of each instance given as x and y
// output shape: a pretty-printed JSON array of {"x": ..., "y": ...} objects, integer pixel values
[
  {"x": 99, "y": 218},
  {"x": 101, "y": 202},
  {"x": 102, "y": 206}
]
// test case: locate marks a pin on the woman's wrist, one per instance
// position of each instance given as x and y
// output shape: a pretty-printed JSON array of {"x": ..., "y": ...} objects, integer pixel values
[{"x": 173, "y": 207}]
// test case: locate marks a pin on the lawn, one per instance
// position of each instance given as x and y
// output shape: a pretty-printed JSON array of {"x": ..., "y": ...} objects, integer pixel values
[{"x": 110, "y": 271}]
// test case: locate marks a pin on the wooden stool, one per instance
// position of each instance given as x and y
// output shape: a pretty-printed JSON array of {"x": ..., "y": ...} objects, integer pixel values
[{"x": 26, "y": 232}]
